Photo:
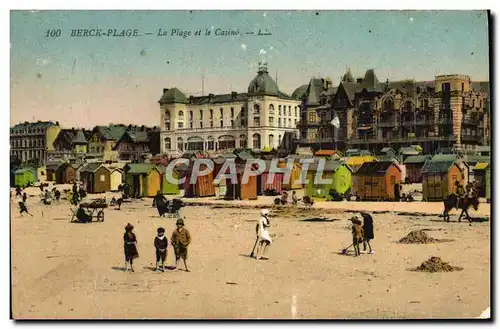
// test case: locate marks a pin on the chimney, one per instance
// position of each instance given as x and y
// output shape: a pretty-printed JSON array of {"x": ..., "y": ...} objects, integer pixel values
[
  {"x": 191, "y": 98},
  {"x": 165, "y": 90},
  {"x": 359, "y": 80},
  {"x": 234, "y": 95},
  {"x": 211, "y": 96}
]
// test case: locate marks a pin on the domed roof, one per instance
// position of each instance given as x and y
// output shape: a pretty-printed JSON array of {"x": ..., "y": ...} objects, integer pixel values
[
  {"x": 299, "y": 92},
  {"x": 173, "y": 95},
  {"x": 263, "y": 84},
  {"x": 370, "y": 80}
]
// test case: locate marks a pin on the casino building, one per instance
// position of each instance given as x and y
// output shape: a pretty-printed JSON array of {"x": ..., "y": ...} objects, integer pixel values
[{"x": 263, "y": 117}]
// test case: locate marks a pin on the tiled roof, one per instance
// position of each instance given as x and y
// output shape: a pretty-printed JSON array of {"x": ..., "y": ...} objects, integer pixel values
[
  {"x": 31, "y": 125},
  {"x": 23, "y": 170},
  {"x": 329, "y": 166},
  {"x": 408, "y": 151},
  {"x": 444, "y": 157},
  {"x": 374, "y": 168},
  {"x": 325, "y": 153},
  {"x": 416, "y": 159},
  {"x": 218, "y": 99},
  {"x": 437, "y": 166},
  {"x": 300, "y": 92},
  {"x": 112, "y": 132},
  {"x": 140, "y": 168},
  {"x": 92, "y": 167}
]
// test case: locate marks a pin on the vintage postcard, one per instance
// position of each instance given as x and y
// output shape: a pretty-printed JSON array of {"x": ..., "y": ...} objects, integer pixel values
[{"x": 250, "y": 164}]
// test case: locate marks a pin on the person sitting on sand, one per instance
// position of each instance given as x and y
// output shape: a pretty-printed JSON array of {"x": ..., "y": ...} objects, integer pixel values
[
  {"x": 82, "y": 216},
  {"x": 161, "y": 244},
  {"x": 367, "y": 231},
  {"x": 284, "y": 198},
  {"x": 264, "y": 238},
  {"x": 180, "y": 241},
  {"x": 161, "y": 203},
  {"x": 130, "y": 247}
]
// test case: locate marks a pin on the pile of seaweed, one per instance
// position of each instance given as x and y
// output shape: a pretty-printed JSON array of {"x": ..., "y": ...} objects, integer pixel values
[
  {"x": 418, "y": 236},
  {"x": 435, "y": 264}
]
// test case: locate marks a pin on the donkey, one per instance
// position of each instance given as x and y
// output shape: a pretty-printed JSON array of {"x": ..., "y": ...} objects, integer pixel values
[{"x": 464, "y": 204}]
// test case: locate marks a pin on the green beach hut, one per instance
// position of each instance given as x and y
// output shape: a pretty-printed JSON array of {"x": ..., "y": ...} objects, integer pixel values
[
  {"x": 337, "y": 173},
  {"x": 482, "y": 174},
  {"x": 167, "y": 187},
  {"x": 24, "y": 177}
]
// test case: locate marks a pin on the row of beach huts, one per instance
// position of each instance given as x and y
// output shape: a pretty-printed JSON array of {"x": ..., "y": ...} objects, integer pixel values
[{"x": 365, "y": 176}]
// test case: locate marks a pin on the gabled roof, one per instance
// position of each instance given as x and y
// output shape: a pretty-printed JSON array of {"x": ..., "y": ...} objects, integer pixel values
[
  {"x": 416, "y": 159},
  {"x": 388, "y": 149},
  {"x": 79, "y": 138},
  {"x": 387, "y": 158},
  {"x": 63, "y": 166},
  {"x": 136, "y": 136},
  {"x": 313, "y": 93},
  {"x": 24, "y": 170},
  {"x": 303, "y": 151},
  {"x": 408, "y": 151},
  {"x": 140, "y": 168},
  {"x": 325, "y": 153},
  {"x": 433, "y": 167},
  {"x": 481, "y": 166},
  {"x": 444, "y": 157},
  {"x": 112, "y": 132},
  {"x": 329, "y": 166},
  {"x": 375, "y": 168},
  {"x": 32, "y": 125},
  {"x": 92, "y": 167},
  {"x": 348, "y": 76}
]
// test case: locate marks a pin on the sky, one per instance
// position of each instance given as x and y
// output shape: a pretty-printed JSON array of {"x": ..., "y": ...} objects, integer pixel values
[{"x": 87, "y": 81}]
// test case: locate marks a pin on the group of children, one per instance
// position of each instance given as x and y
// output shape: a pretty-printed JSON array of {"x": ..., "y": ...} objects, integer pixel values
[{"x": 180, "y": 240}]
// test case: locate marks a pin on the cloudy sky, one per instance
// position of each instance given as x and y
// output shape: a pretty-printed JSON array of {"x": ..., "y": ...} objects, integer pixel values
[{"x": 96, "y": 80}]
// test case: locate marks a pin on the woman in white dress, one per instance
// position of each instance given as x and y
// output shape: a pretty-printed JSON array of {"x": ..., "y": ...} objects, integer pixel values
[{"x": 263, "y": 234}]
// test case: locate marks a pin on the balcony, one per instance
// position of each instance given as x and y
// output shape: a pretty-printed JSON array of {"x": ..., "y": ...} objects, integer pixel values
[
  {"x": 320, "y": 140},
  {"x": 470, "y": 138},
  {"x": 401, "y": 140}
]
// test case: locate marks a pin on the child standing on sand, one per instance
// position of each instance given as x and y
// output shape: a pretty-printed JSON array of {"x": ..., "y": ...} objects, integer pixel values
[
  {"x": 130, "y": 247},
  {"x": 161, "y": 244},
  {"x": 180, "y": 241}
]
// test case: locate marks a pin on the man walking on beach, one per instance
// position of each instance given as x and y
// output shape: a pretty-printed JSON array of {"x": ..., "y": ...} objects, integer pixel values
[{"x": 263, "y": 235}]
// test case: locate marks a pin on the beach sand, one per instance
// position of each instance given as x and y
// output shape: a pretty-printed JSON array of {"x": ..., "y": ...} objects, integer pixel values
[{"x": 63, "y": 270}]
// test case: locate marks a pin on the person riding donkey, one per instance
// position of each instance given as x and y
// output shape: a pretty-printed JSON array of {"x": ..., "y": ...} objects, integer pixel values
[{"x": 459, "y": 192}]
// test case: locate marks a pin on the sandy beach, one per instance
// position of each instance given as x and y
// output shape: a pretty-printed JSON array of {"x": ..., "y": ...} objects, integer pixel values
[{"x": 63, "y": 270}]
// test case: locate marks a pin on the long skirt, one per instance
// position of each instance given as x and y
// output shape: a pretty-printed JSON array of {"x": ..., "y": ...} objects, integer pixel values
[{"x": 131, "y": 251}]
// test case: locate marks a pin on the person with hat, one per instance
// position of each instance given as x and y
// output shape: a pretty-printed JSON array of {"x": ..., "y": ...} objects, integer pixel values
[
  {"x": 180, "y": 240},
  {"x": 161, "y": 244},
  {"x": 130, "y": 248},
  {"x": 263, "y": 234}
]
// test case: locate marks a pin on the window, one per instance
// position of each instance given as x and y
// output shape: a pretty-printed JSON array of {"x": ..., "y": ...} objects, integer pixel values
[
  {"x": 191, "y": 124},
  {"x": 279, "y": 110},
  {"x": 232, "y": 112},
  {"x": 312, "y": 117},
  {"x": 473, "y": 103},
  {"x": 289, "y": 111},
  {"x": 271, "y": 109},
  {"x": 180, "y": 144},
  {"x": 256, "y": 109},
  {"x": 474, "y": 133},
  {"x": 181, "y": 115},
  {"x": 211, "y": 124},
  {"x": 271, "y": 140},
  {"x": 243, "y": 141},
  {"x": 242, "y": 120},
  {"x": 167, "y": 120},
  {"x": 388, "y": 104},
  {"x": 462, "y": 86},
  {"x": 221, "y": 110},
  {"x": 271, "y": 121},
  {"x": 232, "y": 123},
  {"x": 256, "y": 121},
  {"x": 201, "y": 124},
  {"x": 210, "y": 143},
  {"x": 279, "y": 122},
  {"x": 222, "y": 123},
  {"x": 211, "y": 114},
  {"x": 201, "y": 114},
  {"x": 289, "y": 122},
  {"x": 180, "y": 125},
  {"x": 190, "y": 115},
  {"x": 256, "y": 141},
  {"x": 296, "y": 111},
  {"x": 242, "y": 111}
]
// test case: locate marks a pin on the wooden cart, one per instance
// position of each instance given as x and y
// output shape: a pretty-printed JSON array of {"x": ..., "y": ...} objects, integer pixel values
[{"x": 94, "y": 209}]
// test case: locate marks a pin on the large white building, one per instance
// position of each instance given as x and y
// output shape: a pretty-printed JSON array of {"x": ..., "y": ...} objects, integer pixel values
[{"x": 261, "y": 118}]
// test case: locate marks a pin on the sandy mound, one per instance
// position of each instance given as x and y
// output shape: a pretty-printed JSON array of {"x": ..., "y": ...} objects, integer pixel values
[
  {"x": 419, "y": 236},
  {"x": 435, "y": 264}
]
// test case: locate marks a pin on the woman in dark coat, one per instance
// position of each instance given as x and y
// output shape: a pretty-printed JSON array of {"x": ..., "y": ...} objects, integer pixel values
[
  {"x": 130, "y": 247},
  {"x": 368, "y": 230}
]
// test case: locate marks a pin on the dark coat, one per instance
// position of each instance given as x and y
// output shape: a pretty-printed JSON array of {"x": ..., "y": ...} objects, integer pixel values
[{"x": 368, "y": 226}]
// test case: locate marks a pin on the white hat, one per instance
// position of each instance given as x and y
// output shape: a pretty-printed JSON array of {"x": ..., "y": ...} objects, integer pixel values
[{"x": 264, "y": 212}]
